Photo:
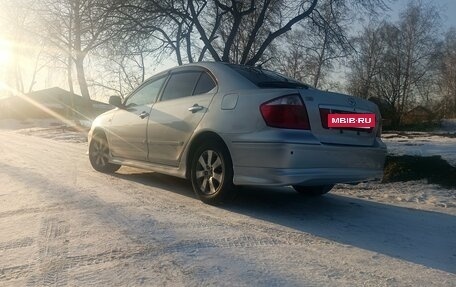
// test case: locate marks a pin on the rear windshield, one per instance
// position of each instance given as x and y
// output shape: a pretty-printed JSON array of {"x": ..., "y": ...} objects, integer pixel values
[{"x": 266, "y": 78}]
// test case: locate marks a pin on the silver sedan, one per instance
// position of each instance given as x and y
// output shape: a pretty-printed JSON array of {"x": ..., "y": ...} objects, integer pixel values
[{"x": 221, "y": 125}]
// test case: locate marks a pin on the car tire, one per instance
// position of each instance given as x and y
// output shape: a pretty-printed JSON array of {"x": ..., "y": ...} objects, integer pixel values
[
  {"x": 212, "y": 173},
  {"x": 99, "y": 155},
  {"x": 313, "y": 190}
]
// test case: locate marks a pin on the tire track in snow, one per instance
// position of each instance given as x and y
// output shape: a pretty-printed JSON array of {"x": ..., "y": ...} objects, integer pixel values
[
  {"x": 20, "y": 243},
  {"x": 177, "y": 226},
  {"x": 15, "y": 272},
  {"x": 53, "y": 252}
]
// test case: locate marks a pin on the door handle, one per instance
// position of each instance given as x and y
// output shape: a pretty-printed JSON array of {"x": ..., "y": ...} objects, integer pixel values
[
  {"x": 144, "y": 114},
  {"x": 195, "y": 108}
]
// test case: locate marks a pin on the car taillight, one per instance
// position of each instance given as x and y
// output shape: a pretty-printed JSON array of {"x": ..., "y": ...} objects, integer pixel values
[
  {"x": 287, "y": 112},
  {"x": 324, "y": 117}
]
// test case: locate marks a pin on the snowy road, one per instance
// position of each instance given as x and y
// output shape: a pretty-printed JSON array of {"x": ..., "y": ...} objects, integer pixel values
[{"x": 61, "y": 223}]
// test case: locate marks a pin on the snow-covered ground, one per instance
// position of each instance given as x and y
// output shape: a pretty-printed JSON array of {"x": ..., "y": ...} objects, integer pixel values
[
  {"x": 47, "y": 128},
  {"x": 13, "y": 124},
  {"x": 413, "y": 194},
  {"x": 448, "y": 126},
  {"x": 61, "y": 133},
  {"x": 422, "y": 144},
  {"x": 64, "y": 224},
  {"x": 416, "y": 194}
]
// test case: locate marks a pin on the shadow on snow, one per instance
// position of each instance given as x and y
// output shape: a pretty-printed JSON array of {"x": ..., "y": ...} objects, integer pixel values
[{"x": 417, "y": 236}]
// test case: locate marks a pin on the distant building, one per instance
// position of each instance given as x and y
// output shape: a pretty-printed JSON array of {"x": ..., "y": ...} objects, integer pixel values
[
  {"x": 418, "y": 115},
  {"x": 386, "y": 110},
  {"x": 48, "y": 103}
]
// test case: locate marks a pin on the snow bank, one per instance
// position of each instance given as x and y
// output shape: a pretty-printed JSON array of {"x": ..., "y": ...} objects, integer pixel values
[
  {"x": 13, "y": 124},
  {"x": 421, "y": 144},
  {"x": 449, "y": 125},
  {"x": 62, "y": 133},
  {"x": 414, "y": 194},
  {"x": 48, "y": 128}
]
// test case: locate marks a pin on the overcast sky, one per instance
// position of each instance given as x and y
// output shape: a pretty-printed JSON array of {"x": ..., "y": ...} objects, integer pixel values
[{"x": 448, "y": 10}]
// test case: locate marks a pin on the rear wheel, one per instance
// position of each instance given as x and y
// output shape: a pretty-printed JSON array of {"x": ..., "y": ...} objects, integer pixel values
[
  {"x": 212, "y": 173},
  {"x": 313, "y": 190},
  {"x": 99, "y": 155}
]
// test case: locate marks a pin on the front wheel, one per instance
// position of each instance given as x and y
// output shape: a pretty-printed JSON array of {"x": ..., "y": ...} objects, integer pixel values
[
  {"x": 212, "y": 173},
  {"x": 313, "y": 190},
  {"x": 99, "y": 155}
]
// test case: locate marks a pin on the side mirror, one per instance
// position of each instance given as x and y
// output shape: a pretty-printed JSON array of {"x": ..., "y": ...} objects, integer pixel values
[{"x": 115, "y": 101}]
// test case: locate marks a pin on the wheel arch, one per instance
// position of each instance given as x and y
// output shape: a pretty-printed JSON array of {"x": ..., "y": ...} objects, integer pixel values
[
  {"x": 196, "y": 141},
  {"x": 99, "y": 131},
  {"x": 105, "y": 166}
]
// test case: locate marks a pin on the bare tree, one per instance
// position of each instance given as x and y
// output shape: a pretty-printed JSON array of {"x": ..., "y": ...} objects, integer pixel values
[
  {"x": 294, "y": 61},
  {"x": 167, "y": 23},
  {"x": 321, "y": 41},
  {"x": 77, "y": 27},
  {"x": 318, "y": 42},
  {"x": 396, "y": 62},
  {"x": 122, "y": 65},
  {"x": 447, "y": 74},
  {"x": 224, "y": 30},
  {"x": 15, "y": 18},
  {"x": 365, "y": 64}
]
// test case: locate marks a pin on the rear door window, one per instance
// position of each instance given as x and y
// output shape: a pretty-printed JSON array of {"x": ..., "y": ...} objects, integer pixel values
[
  {"x": 205, "y": 84},
  {"x": 180, "y": 85}
]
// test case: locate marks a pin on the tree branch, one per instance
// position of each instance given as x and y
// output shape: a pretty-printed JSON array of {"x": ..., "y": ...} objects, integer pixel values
[
  {"x": 199, "y": 27},
  {"x": 279, "y": 32},
  {"x": 255, "y": 30}
]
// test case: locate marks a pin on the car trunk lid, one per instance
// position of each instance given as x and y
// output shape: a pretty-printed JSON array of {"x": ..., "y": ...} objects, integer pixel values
[{"x": 319, "y": 104}]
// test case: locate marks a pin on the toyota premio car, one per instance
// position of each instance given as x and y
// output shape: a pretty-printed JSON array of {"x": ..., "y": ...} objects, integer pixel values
[{"x": 222, "y": 125}]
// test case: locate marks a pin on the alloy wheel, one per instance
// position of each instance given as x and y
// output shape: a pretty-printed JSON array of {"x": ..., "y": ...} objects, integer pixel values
[
  {"x": 100, "y": 153},
  {"x": 210, "y": 172}
]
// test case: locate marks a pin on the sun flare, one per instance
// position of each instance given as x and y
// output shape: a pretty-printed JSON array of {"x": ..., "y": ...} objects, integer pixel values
[{"x": 5, "y": 51}]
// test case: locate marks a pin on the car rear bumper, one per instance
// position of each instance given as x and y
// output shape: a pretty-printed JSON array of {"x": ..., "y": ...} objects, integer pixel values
[{"x": 305, "y": 164}]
